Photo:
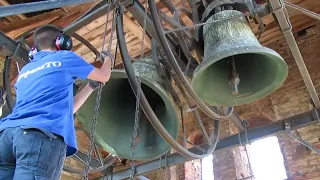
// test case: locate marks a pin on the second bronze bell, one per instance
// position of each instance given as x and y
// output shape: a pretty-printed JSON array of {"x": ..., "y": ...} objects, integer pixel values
[{"x": 236, "y": 69}]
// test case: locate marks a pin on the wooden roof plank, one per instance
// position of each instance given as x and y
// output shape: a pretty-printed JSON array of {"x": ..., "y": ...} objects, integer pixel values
[
  {"x": 136, "y": 30},
  {"x": 14, "y": 34},
  {"x": 101, "y": 21}
]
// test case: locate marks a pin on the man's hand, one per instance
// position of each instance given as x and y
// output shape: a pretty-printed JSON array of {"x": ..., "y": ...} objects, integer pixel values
[
  {"x": 94, "y": 84},
  {"x": 105, "y": 55},
  {"x": 103, "y": 74}
]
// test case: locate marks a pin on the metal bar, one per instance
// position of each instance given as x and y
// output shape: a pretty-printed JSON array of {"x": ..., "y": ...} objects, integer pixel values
[
  {"x": 96, "y": 151},
  {"x": 82, "y": 156},
  {"x": 23, "y": 8},
  {"x": 204, "y": 23},
  {"x": 195, "y": 146},
  {"x": 300, "y": 140},
  {"x": 137, "y": 10},
  {"x": 285, "y": 25},
  {"x": 235, "y": 118},
  {"x": 201, "y": 126},
  {"x": 303, "y": 10},
  {"x": 94, "y": 13},
  {"x": 173, "y": 23},
  {"x": 8, "y": 47},
  {"x": 297, "y": 121}
]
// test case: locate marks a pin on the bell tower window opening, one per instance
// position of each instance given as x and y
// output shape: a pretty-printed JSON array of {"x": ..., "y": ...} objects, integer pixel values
[
  {"x": 267, "y": 160},
  {"x": 207, "y": 168}
]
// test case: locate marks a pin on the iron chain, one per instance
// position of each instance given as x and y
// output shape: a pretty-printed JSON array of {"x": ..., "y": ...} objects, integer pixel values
[
  {"x": 135, "y": 128},
  {"x": 137, "y": 111},
  {"x": 93, "y": 129},
  {"x": 98, "y": 98}
]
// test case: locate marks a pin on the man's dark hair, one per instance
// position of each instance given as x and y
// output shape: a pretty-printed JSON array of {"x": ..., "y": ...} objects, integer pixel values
[{"x": 45, "y": 37}]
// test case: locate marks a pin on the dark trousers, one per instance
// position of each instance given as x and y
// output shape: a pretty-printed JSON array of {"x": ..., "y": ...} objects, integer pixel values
[{"x": 30, "y": 154}]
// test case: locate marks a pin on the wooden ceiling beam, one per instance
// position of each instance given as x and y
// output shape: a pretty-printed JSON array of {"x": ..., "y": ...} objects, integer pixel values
[
  {"x": 136, "y": 30},
  {"x": 20, "y": 16}
]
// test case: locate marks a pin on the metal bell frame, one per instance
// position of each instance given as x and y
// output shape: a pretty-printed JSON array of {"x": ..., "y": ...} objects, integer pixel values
[
  {"x": 96, "y": 165},
  {"x": 147, "y": 108},
  {"x": 276, "y": 8}
]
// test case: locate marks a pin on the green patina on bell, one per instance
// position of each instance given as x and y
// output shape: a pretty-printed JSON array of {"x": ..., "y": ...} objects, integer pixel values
[
  {"x": 117, "y": 114},
  {"x": 231, "y": 49}
]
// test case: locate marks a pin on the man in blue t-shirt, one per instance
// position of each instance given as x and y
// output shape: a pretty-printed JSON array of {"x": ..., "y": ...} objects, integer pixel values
[{"x": 37, "y": 136}]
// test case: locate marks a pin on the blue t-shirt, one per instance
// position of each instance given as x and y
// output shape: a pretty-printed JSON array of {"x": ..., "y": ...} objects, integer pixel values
[{"x": 44, "y": 94}]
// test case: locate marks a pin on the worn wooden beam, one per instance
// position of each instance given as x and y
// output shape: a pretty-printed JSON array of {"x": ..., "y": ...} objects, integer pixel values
[
  {"x": 136, "y": 30},
  {"x": 19, "y": 31},
  {"x": 20, "y": 16}
]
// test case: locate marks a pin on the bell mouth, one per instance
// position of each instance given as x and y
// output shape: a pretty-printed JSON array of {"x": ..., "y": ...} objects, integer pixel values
[
  {"x": 117, "y": 116},
  {"x": 261, "y": 71}
]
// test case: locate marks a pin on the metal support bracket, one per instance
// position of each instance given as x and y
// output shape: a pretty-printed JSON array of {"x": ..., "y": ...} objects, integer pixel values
[
  {"x": 281, "y": 16},
  {"x": 303, "y": 10},
  {"x": 300, "y": 140}
]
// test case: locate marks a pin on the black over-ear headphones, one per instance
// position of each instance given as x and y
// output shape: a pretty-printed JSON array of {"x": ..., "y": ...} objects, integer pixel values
[{"x": 63, "y": 42}]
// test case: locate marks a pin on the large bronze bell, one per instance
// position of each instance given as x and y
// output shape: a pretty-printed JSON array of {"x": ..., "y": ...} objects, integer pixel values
[
  {"x": 236, "y": 69},
  {"x": 117, "y": 114}
]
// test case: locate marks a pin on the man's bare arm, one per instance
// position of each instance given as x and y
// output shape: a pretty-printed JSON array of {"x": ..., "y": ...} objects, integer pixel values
[
  {"x": 100, "y": 75},
  {"x": 81, "y": 97},
  {"x": 103, "y": 74}
]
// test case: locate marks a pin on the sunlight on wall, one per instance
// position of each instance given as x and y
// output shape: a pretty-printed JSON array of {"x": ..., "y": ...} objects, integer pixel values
[
  {"x": 267, "y": 160},
  {"x": 207, "y": 168}
]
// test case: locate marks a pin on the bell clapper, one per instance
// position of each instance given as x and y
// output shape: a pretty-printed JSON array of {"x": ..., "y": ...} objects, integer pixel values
[{"x": 234, "y": 78}]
